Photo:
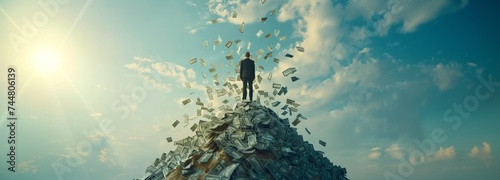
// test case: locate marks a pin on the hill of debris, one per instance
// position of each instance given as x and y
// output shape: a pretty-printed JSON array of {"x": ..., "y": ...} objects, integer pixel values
[{"x": 248, "y": 142}]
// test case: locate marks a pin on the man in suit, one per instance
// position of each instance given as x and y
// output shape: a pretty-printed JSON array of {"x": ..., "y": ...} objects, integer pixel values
[{"x": 247, "y": 75}]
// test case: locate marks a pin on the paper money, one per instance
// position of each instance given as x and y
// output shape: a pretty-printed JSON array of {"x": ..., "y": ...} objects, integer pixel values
[
  {"x": 268, "y": 35},
  {"x": 242, "y": 27},
  {"x": 295, "y": 122},
  {"x": 289, "y": 71},
  {"x": 276, "y": 85},
  {"x": 259, "y": 33},
  {"x": 192, "y": 61},
  {"x": 228, "y": 44},
  {"x": 205, "y": 43},
  {"x": 176, "y": 123},
  {"x": 282, "y": 38},
  {"x": 323, "y": 143},
  {"x": 186, "y": 101}
]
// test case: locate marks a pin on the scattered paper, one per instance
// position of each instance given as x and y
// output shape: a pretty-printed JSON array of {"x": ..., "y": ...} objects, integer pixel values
[
  {"x": 289, "y": 71},
  {"x": 276, "y": 85},
  {"x": 295, "y": 122},
  {"x": 283, "y": 91},
  {"x": 300, "y": 49},
  {"x": 307, "y": 130},
  {"x": 202, "y": 62},
  {"x": 276, "y": 60},
  {"x": 270, "y": 76},
  {"x": 188, "y": 85},
  {"x": 263, "y": 19},
  {"x": 268, "y": 35},
  {"x": 176, "y": 123},
  {"x": 272, "y": 12},
  {"x": 289, "y": 55},
  {"x": 186, "y": 101},
  {"x": 323, "y": 143},
  {"x": 277, "y": 47},
  {"x": 235, "y": 14},
  {"x": 282, "y": 38},
  {"x": 192, "y": 61},
  {"x": 259, "y": 33},
  {"x": 169, "y": 139},
  {"x": 228, "y": 44},
  {"x": 215, "y": 21},
  {"x": 276, "y": 32},
  {"x": 242, "y": 27},
  {"x": 238, "y": 50},
  {"x": 193, "y": 128}
]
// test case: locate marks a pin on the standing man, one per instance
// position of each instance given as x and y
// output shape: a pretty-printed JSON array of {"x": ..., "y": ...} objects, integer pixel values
[{"x": 247, "y": 75}]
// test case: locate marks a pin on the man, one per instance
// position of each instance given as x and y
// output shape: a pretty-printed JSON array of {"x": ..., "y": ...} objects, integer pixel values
[{"x": 247, "y": 75}]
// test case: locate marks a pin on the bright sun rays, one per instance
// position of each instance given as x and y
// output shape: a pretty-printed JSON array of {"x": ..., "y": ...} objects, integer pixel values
[{"x": 47, "y": 60}]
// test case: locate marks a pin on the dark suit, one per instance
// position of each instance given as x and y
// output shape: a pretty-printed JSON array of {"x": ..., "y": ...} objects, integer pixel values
[{"x": 247, "y": 75}]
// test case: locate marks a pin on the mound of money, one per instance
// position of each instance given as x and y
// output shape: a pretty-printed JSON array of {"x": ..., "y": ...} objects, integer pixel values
[{"x": 248, "y": 142}]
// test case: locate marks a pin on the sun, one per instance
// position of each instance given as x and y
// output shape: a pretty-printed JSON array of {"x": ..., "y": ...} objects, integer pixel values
[{"x": 46, "y": 60}]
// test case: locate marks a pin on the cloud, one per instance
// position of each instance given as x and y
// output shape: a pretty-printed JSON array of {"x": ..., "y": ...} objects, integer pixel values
[
  {"x": 104, "y": 157},
  {"x": 153, "y": 73},
  {"x": 248, "y": 11},
  {"x": 96, "y": 115},
  {"x": 445, "y": 76},
  {"x": 27, "y": 166},
  {"x": 442, "y": 154},
  {"x": 191, "y": 3},
  {"x": 483, "y": 153},
  {"x": 447, "y": 153},
  {"x": 407, "y": 15},
  {"x": 374, "y": 153},
  {"x": 395, "y": 151}
]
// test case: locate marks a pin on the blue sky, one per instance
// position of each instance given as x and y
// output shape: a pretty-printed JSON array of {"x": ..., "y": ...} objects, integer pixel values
[{"x": 100, "y": 82}]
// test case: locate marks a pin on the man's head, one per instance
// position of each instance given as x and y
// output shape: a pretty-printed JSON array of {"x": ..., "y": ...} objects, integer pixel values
[{"x": 247, "y": 54}]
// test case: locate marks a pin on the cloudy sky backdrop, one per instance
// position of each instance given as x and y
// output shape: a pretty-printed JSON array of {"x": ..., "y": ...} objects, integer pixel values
[{"x": 398, "y": 89}]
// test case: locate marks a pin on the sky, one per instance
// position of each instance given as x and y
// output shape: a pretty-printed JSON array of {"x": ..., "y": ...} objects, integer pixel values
[{"x": 398, "y": 89}]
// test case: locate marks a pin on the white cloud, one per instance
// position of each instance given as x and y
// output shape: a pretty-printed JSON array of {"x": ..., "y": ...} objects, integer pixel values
[
  {"x": 27, "y": 166},
  {"x": 409, "y": 15},
  {"x": 192, "y": 31},
  {"x": 248, "y": 11},
  {"x": 395, "y": 151},
  {"x": 153, "y": 73},
  {"x": 471, "y": 64},
  {"x": 96, "y": 115},
  {"x": 104, "y": 157},
  {"x": 374, "y": 153},
  {"x": 445, "y": 76},
  {"x": 483, "y": 153},
  {"x": 448, "y": 153},
  {"x": 191, "y": 3}
]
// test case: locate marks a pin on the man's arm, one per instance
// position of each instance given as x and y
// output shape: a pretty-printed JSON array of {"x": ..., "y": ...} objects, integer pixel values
[{"x": 241, "y": 69}]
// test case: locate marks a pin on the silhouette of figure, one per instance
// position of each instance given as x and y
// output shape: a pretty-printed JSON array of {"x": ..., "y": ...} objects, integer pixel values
[{"x": 247, "y": 75}]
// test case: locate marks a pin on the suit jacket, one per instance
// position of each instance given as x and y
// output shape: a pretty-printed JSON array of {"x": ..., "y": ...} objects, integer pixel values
[{"x": 247, "y": 69}]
